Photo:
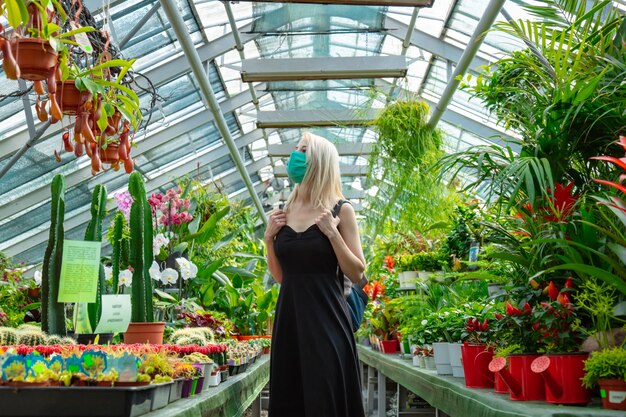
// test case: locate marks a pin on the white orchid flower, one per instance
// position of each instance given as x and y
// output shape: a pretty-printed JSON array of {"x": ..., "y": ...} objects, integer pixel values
[
  {"x": 169, "y": 276},
  {"x": 108, "y": 273},
  {"x": 187, "y": 269},
  {"x": 37, "y": 278},
  {"x": 158, "y": 242},
  {"x": 155, "y": 271},
  {"x": 126, "y": 278}
]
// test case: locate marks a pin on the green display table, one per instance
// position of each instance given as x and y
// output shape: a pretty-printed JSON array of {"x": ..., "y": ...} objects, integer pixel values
[
  {"x": 450, "y": 395},
  {"x": 229, "y": 399}
]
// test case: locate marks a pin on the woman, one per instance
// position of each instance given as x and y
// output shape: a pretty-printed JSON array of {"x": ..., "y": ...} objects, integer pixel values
[{"x": 314, "y": 366}]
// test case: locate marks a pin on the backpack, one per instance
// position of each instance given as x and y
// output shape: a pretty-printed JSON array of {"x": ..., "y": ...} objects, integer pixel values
[{"x": 357, "y": 299}]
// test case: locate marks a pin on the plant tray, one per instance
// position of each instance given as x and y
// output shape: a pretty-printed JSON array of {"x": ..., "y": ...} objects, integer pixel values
[
  {"x": 160, "y": 395},
  {"x": 76, "y": 401},
  {"x": 176, "y": 390}
]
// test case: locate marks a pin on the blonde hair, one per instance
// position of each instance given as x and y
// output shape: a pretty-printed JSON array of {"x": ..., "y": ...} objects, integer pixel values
[{"x": 322, "y": 180}]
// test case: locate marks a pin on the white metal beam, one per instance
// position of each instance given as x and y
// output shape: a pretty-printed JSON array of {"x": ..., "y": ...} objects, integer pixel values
[
  {"x": 326, "y": 68},
  {"x": 406, "y": 3},
  {"x": 344, "y": 149},
  {"x": 309, "y": 118},
  {"x": 430, "y": 43}
]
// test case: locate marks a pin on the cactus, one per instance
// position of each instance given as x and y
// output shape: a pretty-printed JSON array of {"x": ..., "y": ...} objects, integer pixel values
[
  {"x": 118, "y": 243},
  {"x": 29, "y": 327},
  {"x": 205, "y": 332},
  {"x": 140, "y": 250},
  {"x": 8, "y": 336},
  {"x": 31, "y": 338},
  {"x": 200, "y": 336},
  {"x": 94, "y": 234},
  {"x": 54, "y": 340},
  {"x": 67, "y": 341},
  {"x": 53, "y": 312}
]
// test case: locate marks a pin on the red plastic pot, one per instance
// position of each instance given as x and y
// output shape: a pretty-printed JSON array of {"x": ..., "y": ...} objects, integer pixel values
[
  {"x": 499, "y": 386},
  {"x": 613, "y": 393},
  {"x": 523, "y": 383},
  {"x": 390, "y": 346},
  {"x": 476, "y": 359},
  {"x": 562, "y": 375}
]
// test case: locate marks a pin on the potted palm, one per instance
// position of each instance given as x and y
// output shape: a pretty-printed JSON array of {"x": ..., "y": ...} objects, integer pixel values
[{"x": 607, "y": 369}]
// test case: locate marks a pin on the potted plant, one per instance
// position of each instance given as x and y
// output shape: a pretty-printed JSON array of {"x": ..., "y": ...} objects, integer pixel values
[
  {"x": 477, "y": 354},
  {"x": 562, "y": 368},
  {"x": 142, "y": 328},
  {"x": 607, "y": 368},
  {"x": 517, "y": 327},
  {"x": 385, "y": 322},
  {"x": 405, "y": 266}
]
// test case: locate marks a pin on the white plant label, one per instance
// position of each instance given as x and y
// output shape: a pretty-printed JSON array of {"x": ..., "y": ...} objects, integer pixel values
[
  {"x": 617, "y": 397},
  {"x": 82, "y": 39}
]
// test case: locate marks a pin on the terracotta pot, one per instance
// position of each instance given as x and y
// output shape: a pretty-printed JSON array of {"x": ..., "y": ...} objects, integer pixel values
[
  {"x": 247, "y": 337},
  {"x": 111, "y": 154},
  {"x": 476, "y": 360},
  {"x": 68, "y": 96},
  {"x": 145, "y": 333},
  {"x": 562, "y": 375},
  {"x": 35, "y": 57},
  {"x": 613, "y": 393}
]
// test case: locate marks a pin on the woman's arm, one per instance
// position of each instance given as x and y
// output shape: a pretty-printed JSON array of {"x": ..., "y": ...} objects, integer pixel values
[
  {"x": 277, "y": 220},
  {"x": 343, "y": 233}
]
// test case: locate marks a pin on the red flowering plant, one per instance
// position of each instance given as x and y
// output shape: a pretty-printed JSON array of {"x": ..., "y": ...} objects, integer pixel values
[
  {"x": 477, "y": 331},
  {"x": 552, "y": 325}
]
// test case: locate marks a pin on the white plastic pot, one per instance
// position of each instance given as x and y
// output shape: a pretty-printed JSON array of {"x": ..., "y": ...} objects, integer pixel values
[
  {"x": 442, "y": 358},
  {"x": 455, "y": 360}
]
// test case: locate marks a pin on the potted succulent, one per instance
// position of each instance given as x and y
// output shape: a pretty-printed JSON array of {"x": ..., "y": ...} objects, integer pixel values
[
  {"x": 607, "y": 368},
  {"x": 142, "y": 328}
]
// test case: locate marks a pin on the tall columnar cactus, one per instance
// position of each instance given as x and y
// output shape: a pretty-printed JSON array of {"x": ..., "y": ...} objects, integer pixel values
[
  {"x": 94, "y": 234},
  {"x": 140, "y": 250},
  {"x": 120, "y": 248},
  {"x": 53, "y": 312}
]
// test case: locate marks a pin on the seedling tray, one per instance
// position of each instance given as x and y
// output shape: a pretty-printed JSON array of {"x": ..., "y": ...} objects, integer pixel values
[{"x": 75, "y": 401}]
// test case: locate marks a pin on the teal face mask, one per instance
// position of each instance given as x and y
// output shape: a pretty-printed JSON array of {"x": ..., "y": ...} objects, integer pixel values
[{"x": 296, "y": 166}]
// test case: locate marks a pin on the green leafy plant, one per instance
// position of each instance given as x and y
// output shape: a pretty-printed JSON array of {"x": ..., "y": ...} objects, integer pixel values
[{"x": 606, "y": 364}]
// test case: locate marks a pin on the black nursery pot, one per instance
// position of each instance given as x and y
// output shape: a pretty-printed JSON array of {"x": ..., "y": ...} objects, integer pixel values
[{"x": 88, "y": 338}]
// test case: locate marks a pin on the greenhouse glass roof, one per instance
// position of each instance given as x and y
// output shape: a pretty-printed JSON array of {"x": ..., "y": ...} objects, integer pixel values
[{"x": 180, "y": 136}]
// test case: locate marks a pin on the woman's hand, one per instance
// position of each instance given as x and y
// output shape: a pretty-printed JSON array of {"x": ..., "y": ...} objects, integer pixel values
[
  {"x": 327, "y": 223},
  {"x": 276, "y": 221}
]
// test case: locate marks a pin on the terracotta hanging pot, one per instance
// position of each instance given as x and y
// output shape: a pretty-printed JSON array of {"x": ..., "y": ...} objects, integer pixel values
[
  {"x": 35, "y": 58},
  {"x": 69, "y": 97},
  {"x": 110, "y": 155}
]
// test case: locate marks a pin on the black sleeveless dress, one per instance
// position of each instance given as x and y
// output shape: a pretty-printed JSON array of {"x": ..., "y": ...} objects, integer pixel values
[{"x": 314, "y": 366}]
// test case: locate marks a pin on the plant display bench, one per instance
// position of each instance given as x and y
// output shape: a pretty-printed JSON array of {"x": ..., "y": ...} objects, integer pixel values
[
  {"x": 229, "y": 399},
  {"x": 449, "y": 394}
]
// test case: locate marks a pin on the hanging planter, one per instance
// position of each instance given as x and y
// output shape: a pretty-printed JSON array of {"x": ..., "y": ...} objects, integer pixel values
[
  {"x": 35, "y": 58},
  {"x": 71, "y": 98}
]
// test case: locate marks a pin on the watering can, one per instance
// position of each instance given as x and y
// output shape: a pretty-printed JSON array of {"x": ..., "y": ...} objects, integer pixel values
[
  {"x": 524, "y": 385},
  {"x": 561, "y": 374}
]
